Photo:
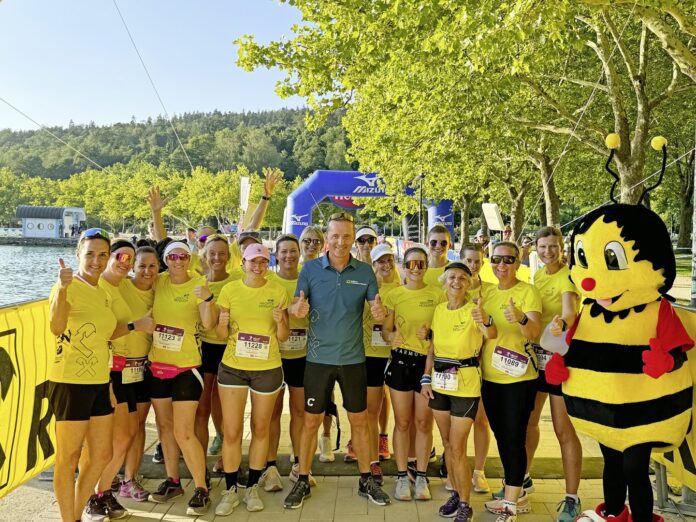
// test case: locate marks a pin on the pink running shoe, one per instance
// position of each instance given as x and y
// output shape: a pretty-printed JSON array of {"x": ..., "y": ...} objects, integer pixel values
[{"x": 132, "y": 489}]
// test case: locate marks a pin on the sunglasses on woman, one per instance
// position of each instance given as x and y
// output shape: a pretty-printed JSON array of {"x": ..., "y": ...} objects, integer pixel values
[
  {"x": 315, "y": 242},
  {"x": 92, "y": 233},
  {"x": 508, "y": 260},
  {"x": 123, "y": 257},
  {"x": 415, "y": 264},
  {"x": 178, "y": 257},
  {"x": 365, "y": 239},
  {"x": 443, "y": 243}
]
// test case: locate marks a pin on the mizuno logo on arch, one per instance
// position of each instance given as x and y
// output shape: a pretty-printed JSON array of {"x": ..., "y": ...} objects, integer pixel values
[{"x": 370, "y": 186}]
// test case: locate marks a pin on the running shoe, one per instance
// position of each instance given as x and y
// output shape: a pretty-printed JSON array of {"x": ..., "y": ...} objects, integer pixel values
[
  {"x": 480, "y": 483},
  {"x": 350, "y": 455},
  {"x": 527, "y": 485},
  {"x": 433, "y": 457},
  {"x": 228, "y": 501},
  {"x": 134, "y": 490},
  {"x": 216, "y": 445},
  {"x": 199, "y": 503},
  {"x": 114, "y": 509},
  {"x": 506, "y": 516},
  {"x": 448, "y": 485},
  {"x": 326, "y": 454},
  {"x": 294, "y": 475},
  {"x": 158, "y": 457},
  {"x": 218, "y": 467},
  {"x": 167, "y": 490},
  {"x": 402, "y": 491},
  {"x": 384, "y": 453},
  {"x": 207, "y": 479},
  {"x": 421, "y": 491},
  {"x": 115, "y": 483},
  {"x": 270, "y": 480},
  {"x": 443, "y": 467},
  {"x": 95, "y": 510},
  {"x": 252, "y": 500},
  {"x": 449, "y": 509},
  {"x": 465, "y": 513},
  {"x": 497, "y": 508},
  {"x": 369, "y": 489},
  {"x": 376, "y": 472},
  {"x": 299, "y": 492},
  {"x": 242, "y": 477},
  {"x": 568, "y": 510}
]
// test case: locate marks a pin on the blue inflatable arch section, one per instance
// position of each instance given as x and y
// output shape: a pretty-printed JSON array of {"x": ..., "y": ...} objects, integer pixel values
[{"x": 324, "y": 183}]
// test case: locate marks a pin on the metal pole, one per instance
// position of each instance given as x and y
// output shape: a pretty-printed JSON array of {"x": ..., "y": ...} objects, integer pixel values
[
  {"x": 693, "y": 237},
  {"x": 420, "y": 212}
]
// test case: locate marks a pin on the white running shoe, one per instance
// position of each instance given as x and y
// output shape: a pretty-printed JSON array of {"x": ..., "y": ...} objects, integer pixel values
[
  {"x": 229, "y": 501},
  {"x": 252, "y": 500},
  {"x": 326, "y": 454},
  {"x": 270, "y": 480},
  {"x": 421, "y": 491},
  {"x": 402, "y": 491}
]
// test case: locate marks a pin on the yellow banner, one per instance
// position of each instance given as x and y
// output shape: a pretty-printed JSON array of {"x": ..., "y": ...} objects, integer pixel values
[{"x": 27, "y": 425}]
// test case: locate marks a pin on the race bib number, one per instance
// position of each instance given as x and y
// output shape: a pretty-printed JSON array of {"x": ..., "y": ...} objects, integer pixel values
[
  {"x": 253, "y": 346},
  {"x": 296, "y": 341},
  {"x": 168, "y": 338},
  {"x": 543, "y": 356},
  {"x": 509, "y": 362},
  {"x": 446, "y": 381},
  {"x": 134, "y": 371},
  {"x": 377, "y": 339}
]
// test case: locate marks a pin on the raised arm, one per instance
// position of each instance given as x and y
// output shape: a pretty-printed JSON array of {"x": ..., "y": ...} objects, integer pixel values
[
  {"x": 273, "y": 177},
  {"x": 156, "y": 203}
]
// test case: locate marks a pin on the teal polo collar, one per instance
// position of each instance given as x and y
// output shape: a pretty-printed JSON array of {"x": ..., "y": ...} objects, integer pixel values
[{"x": 352, "y": 263}]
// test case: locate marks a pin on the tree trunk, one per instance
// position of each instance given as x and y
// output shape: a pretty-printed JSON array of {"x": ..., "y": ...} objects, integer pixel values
[
  {"x": 686, "y": 204},
  {"x": 552, "y": 203},
  {"x": 631, "y": 175},
  {"x": 517, "y": 208},
  {"x": 464, "y": 217}
]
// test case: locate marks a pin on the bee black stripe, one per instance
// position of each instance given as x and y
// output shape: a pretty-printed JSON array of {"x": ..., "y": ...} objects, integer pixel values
[
  {"x": 632, "y": 414},
  {"x": 612, "y": 358}
]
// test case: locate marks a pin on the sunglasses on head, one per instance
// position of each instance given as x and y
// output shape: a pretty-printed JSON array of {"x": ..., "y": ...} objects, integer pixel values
[
  {"x": 508, "y": 260},
  {"x": 202, "y": 239},
  {"x": 366, "y": 239},
  {"x": 341, "y": 216},
  {"x": 213, "y": 237},
  {"x": 178, "y": 257},
  {"x": 315, "y": 242},
  {"x": 415, "y": 264},
  {"x": 92, "y": 233},
  {"x": 443, "y": 242},
  {"x": 123, "y": 257}
]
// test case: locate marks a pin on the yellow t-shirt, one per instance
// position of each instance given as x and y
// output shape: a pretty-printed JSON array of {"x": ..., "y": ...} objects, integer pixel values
[
  {"x": 296, "y": 345},
  {"x": 456, "y": 336},
  {"x": 551, "y": 289},
  {"x": 413, "y": 309},
  {"x": 82, "y": 350},
  {"x": 177, "y": 338},
  {"x": 122, "y": 312},
  {"x": 481, "y": 291},
  {"x": 139, "y": 301},
  {"x": 209, "y": 336},
  {"x": 432, "y": 275},
  {"x": 252, "y": 343},
  {"x": 506, "y": 356},
  {"x": 375, "y": 345},
  {"x": 486, "y": 273}
]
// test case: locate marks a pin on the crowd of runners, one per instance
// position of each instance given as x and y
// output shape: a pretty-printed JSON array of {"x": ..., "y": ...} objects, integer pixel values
[{"x": 195, "y": 328}]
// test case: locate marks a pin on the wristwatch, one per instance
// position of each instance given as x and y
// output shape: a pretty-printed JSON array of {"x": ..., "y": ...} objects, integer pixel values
[
  {"x": 131, "y": 326},
  {"x": 266, "y": 198},
  {"x": 210, "y": 298},
  {"x": 489, "y": 323},
  {"x": 524, "y": 320}
]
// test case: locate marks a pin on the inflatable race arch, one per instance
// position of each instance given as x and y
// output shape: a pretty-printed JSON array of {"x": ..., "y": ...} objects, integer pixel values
[{"x": 343, "y": 183}]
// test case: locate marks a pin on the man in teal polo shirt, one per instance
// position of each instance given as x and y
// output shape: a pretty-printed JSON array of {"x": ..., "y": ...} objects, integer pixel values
[{"x": 333, "y": 289}]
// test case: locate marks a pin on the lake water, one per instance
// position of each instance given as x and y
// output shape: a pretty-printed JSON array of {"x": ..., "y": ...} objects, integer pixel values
[{"x": 28, "y": 273}]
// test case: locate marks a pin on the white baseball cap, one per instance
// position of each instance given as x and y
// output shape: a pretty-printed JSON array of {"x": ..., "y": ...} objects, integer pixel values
[
  {"x": 381, "y": 250},
  {"x": 366, "y": 231}
]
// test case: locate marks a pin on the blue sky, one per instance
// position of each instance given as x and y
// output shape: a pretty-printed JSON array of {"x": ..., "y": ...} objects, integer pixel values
[{"x": 72, "y": 59}]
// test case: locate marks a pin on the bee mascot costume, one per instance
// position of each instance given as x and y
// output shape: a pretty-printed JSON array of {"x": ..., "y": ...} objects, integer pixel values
[{"x": 625, "y": 378}]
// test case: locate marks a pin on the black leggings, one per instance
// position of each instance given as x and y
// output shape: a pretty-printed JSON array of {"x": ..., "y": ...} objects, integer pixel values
[
  {"x": 628, "y": 469},
  {"x": 508, "y": 407}
]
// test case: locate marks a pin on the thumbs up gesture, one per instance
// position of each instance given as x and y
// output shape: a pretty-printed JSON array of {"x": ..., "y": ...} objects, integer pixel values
[
  {"x": 478, "y": 314},
  {"x": 512, "y": 313},
  {"x": 65, "y": 274},
  {"x": 224, "y": 317},
  {"x": 377, "y": 309},
  {"x": 397, "y": 337},
  {"x": 146, "y": 323},
  {"x": 422, "y": 333},
  {"x": 278, "y": 314},
  {"x": 203, "y": 292},
  {"x": 300, "y": 308},
  {"x": 556, "y": 326}
]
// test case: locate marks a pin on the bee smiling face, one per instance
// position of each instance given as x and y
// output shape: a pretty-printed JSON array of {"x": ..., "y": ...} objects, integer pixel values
[{"x": 620, "y": 257}]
